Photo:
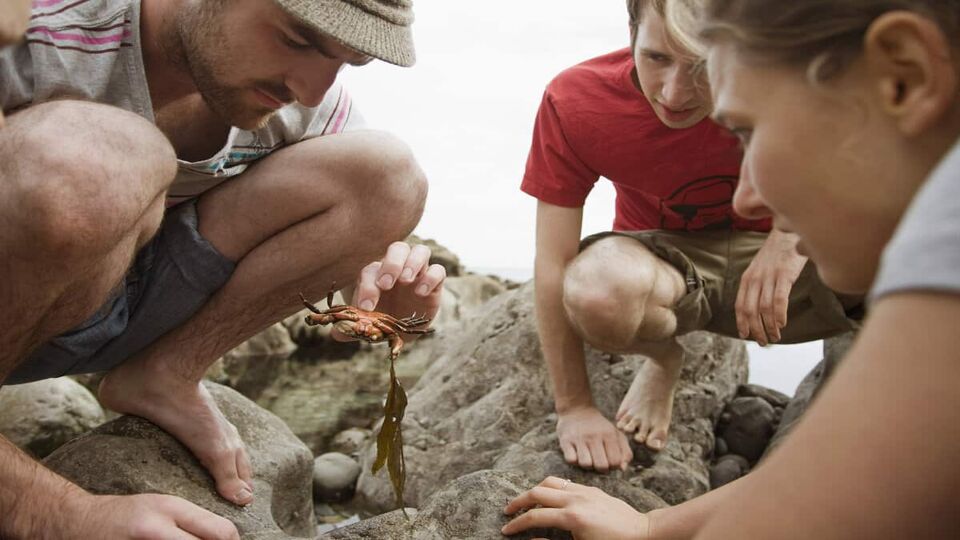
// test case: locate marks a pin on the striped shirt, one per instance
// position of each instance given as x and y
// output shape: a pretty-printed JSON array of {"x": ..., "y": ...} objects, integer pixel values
[{"x": 90, "y": 49}]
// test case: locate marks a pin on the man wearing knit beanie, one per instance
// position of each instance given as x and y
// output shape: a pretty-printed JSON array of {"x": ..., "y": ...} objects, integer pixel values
[{"x": 200, "y": 166}]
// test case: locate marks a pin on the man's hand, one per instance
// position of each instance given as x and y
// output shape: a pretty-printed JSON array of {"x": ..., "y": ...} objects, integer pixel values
[
  {"x": 765, "y": 288},
  {"x": 144, "y": 516},
  {"x": 591, "y": 441},
  {"x": 587, "y": 512},
  {"x": 402, "y": 283}
]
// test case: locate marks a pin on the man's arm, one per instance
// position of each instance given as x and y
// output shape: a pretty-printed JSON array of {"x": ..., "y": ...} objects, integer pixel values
[
  {"x": 875, "y": 456},
  {"x": 36, "y": 503},
  {"x": 587, "y": 438},
  {"x": 764, "y": 294}
]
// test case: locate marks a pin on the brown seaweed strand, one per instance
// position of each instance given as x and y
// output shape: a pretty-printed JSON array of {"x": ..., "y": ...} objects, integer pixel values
[{"x": 390, "y": 438}]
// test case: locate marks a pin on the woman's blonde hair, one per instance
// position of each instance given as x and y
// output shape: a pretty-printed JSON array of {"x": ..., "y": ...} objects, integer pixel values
[{"x": 822, "y": 36}]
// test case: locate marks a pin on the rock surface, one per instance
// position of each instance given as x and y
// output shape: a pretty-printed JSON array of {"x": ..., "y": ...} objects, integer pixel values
[
  {"x": 41, "y": 416},
  {"x": 485, "y": 403},
  {"x": 130, "y": 455}
]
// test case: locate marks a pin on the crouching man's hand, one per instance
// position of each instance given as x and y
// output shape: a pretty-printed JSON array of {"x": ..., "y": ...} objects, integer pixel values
[{"x": 402, "y": 283}]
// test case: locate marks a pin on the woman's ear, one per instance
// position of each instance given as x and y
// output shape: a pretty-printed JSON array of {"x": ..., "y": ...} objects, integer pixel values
[{"x": 911, "y": 63}]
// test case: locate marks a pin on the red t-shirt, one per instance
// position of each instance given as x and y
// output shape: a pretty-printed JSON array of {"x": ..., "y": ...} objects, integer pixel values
[{"x": 594, "y": 122}]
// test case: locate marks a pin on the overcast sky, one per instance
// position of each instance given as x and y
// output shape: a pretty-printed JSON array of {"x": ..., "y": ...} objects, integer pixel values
[{"x": 467, "y": 110}]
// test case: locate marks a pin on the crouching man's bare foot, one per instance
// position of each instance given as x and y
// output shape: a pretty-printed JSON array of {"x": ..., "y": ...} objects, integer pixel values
[
  {"x": 648, "y": 406},
  {"x": 187, "y": 411}
]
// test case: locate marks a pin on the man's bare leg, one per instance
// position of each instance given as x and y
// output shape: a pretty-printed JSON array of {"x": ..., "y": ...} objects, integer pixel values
[
  {"x": 305, "y": 217},
  {"x": 620, "y": 298},
  {"x": 74, "y": 214},
  {"x": 75, "y": 209}
]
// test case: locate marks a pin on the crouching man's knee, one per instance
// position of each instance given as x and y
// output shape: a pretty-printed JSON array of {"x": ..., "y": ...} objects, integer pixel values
[
  {"x": 79, "y": 177},
  {"x": 395, "y": 188},
  {"x": 605, "y": 301}
]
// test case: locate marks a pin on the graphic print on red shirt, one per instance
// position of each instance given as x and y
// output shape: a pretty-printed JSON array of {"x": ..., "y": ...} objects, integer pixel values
[{"x": 594, "y": 122}]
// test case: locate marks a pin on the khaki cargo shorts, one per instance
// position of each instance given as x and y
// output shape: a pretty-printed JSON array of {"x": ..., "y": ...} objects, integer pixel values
[{"x": 712, "y": 263}]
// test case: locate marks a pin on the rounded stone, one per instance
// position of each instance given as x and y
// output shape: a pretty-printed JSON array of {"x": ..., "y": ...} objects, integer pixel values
[
  {"x": 349, "y": 441},
  {"x": 334, "y": 477},
  {"x": 727, "y": 469},
  {"x": 41, "y": 416}
]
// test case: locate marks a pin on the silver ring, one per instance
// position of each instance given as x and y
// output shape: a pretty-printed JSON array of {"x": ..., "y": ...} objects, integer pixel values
[{"x": 566, "y": 481}]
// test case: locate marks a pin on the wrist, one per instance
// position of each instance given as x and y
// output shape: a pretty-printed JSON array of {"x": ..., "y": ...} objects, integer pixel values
[
  {"x": 651, "y": 525},
  {"x": 572, "y": 405}
]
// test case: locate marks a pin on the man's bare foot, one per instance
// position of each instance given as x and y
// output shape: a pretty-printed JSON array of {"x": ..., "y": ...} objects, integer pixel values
[
  {"x": 648, "y": 406},
  {"x": 188, "y": 412}
]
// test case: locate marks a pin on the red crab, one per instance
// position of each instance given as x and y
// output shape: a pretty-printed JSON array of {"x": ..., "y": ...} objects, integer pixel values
[{"x": 371, "y": 326}]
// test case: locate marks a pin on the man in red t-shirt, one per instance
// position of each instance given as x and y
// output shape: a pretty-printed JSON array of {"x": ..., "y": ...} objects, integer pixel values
[{"x": 678, "y": 258}]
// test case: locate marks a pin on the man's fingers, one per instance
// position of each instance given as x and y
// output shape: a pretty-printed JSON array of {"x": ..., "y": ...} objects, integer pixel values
[
  {"x": 569, "y": 452},
  {"x": 625, "y": 451},
  {"x": 742, "y": 309},
  {"x": 417, "y": 260},
  {"x": 392, "y": 265},
  {"x": 431, "y": 279},
  {"x": 538, "y": 518},
  {"x": 202, "y": 523},
  {"x": 611, "y": 446},
  {"x": 367, "y": 293},
  {"x": 599, "y": 455},
  {"x": 781, "y": 301},
  {"x": 768, "y": 316},
  {"x": 584, "y": 459}
]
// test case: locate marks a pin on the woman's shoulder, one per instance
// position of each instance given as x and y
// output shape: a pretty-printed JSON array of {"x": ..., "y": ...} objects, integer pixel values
[{"x": 924, "y": 253}]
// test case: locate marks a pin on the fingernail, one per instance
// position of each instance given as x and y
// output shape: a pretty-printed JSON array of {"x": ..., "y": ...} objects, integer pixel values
[
  {"x": 366, "y": 305},
  {"x": 386, "y": 281},
  {"x": 407, "y": 274},
  {"x": 423, "y": 290}
]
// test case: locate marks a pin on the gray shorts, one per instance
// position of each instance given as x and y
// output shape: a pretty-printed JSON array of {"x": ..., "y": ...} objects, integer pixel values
[{"x": 171, "y": 278}]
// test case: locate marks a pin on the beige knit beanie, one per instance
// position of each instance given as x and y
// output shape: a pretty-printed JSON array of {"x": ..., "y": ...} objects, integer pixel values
[{"x": 379, "y": 28}]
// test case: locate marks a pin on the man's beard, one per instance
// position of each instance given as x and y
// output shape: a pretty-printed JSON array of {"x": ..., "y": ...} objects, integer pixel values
[{"x": 206, "y": 58}]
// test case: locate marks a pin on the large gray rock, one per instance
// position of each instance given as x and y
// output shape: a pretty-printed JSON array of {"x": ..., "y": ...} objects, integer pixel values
[
  {"x": 130, "y": 455},
  {"x": 41, "y": 416},
  {"x": 485, "y": 403}
]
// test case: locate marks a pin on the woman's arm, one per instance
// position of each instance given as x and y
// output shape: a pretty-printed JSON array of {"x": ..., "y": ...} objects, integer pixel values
[{"x": 876, "y": 454}]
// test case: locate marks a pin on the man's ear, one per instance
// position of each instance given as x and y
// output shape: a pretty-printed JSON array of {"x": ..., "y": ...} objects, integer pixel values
[{"x": 911, "y": 62}]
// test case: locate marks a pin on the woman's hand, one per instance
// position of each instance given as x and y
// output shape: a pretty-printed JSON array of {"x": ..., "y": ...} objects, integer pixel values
[{"x": 587, "y": 512}]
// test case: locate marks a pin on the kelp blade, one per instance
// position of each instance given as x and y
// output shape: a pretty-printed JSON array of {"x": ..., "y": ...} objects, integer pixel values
[{"x": 390, "y": 438}]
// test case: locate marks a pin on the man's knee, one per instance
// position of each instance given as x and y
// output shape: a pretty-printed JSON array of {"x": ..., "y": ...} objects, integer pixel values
[
  {"x": 78, "y": 177},
  {"x": 603, "y": 283},
  {"x": 394, "y": 187}
]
